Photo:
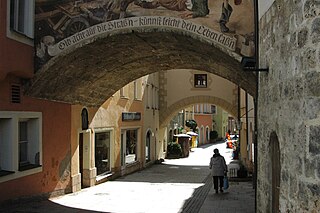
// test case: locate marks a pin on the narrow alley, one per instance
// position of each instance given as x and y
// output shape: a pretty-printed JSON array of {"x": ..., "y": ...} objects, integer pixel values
[{"x": 176, "y": 185}]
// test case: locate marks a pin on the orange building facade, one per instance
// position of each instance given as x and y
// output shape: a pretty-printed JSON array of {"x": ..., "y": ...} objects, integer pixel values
[{"x": 34, "y": 134}]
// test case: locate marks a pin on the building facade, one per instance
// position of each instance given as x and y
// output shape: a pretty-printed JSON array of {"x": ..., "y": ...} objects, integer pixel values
[
  {"x": 289, "y": 103},
  {"x": 34, "y": 153}
]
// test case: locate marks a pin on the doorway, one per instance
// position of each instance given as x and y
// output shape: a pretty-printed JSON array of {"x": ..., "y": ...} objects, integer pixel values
[
  {"x": 276, "y": 171},
  {"x": 148, "y": 147}
]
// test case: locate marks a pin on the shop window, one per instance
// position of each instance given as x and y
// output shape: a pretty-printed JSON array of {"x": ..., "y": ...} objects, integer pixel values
[
  {"x": 102, "y": 152},
  {"x": 200, "y": 80},
  {"x": 131, "y": 146}
]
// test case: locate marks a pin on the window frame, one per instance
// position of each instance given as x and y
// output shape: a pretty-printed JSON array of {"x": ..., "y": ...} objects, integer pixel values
[
  {"x": 9, "y": 148},
  {"x": 200, "y": 80},
  {"x": 108, "y": 133},
  {"x": 128, "y": 156},
  {"x": 14, "y": 20},
  {"x": 24, "y": 141}
]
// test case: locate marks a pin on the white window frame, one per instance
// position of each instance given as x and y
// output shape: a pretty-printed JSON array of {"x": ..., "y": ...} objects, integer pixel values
[
  {"x": 9, "y": 143},
  {"x": 124, "y": 92},
  {"x": 26, "y": 36}
]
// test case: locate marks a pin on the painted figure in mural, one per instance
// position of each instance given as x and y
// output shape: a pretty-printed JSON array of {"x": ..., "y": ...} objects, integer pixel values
[
  {"x": 226, "y": 13},
  {"x": 197, "y": 8}
]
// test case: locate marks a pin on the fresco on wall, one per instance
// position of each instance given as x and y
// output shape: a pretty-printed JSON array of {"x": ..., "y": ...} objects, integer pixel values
[{"x": 60, "y": 24}]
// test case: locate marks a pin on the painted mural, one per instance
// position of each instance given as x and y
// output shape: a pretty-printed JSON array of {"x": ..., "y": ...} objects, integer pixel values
[{"x": 60, "y": 24}]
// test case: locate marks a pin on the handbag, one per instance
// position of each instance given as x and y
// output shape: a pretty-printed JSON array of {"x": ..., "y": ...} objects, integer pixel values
[{"x": 225, "y": 182}]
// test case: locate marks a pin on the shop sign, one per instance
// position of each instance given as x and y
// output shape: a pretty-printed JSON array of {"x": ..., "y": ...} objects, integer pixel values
[{"x": 131, "y": 116}]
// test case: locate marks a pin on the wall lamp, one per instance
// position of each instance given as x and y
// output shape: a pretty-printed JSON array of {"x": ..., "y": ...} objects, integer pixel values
[{"x": 249, "y": 64}]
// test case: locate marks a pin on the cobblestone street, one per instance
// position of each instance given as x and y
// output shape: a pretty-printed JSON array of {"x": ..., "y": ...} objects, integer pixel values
[{"x": 177, "y": 185}]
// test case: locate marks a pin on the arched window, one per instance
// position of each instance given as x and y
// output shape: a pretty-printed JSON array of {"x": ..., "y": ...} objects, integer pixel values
[{"x": 84, "y": 119}]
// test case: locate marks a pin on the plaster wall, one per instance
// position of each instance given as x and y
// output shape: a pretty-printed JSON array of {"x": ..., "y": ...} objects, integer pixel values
[
  {"x": 180, "y": 85},
  {"x": 53, "y": 178},
  {"x": 16, "y": 56},
  {"x": 151, "y": 118},
  {"x": 109, "y": 115},
  {"x": 221, "y": 120},
  {"x": 289, "y": 103},
  {"x": 203, "y": 121}
]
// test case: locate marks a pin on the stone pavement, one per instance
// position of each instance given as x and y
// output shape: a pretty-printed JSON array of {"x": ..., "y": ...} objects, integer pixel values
[{"x": 178, "y": 185}]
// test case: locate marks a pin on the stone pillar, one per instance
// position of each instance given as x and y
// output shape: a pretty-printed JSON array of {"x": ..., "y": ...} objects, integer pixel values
[{"x": 76, "y": 182}]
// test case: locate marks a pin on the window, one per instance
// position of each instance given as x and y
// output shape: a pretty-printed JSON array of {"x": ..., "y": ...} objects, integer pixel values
[
  {"x": 23, "y": 143},
  {"x": 148, "y": 96},
  {"x": 213, "y": 109},
  {"x": 157, "y": 98},
  {"x": 131, "y": 145},
  {"x": 135, "y": 90},
  {"x": 102, "y": 152},
  {"x": 121, "y": 93},
  {"x": 20, "y": 144},
  {"x": 200, "y": 80},
  {"x": 28, "y": 146},
  {"x": 84, "y": 119},
  {"x": 22, "y": 17}
]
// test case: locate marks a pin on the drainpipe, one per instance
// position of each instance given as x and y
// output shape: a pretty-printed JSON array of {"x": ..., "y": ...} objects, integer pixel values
[
  {"x": 256, "y": 30},
  {"x": 239, "y": 104},
  {"x": 247, "y": 124}
]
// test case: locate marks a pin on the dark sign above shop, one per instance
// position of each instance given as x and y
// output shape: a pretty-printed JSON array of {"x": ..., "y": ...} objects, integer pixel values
[{"x": 131, "y": 116}]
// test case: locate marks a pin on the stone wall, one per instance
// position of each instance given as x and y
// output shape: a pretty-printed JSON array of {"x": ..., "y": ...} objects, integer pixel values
[{"x": 289, "y": 104}]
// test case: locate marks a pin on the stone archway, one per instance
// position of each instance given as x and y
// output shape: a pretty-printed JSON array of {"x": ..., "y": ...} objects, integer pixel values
[
  {"x": 92, "y": 73},
  {"x": 167, "y": 114}
]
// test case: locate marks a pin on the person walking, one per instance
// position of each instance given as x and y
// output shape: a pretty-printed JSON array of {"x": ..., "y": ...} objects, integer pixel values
[{"x": 218, "y": 168}]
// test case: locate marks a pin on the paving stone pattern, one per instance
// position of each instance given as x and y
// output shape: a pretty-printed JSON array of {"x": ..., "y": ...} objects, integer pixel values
[{"x": 176, "y": 186}]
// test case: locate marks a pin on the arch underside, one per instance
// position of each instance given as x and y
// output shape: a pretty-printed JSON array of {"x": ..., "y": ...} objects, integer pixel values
[
  {"x": 167, "y": 114},
  {"x": 91, "y": 74}
]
